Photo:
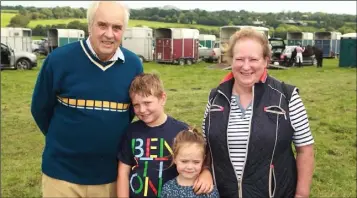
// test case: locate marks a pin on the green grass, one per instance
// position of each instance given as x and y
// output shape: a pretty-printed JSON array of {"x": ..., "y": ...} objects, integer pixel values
[
  {"x": 329, "y": 95},
  {"x": 34, "y": 23},
  {"x": 37, "y": 37},
  {"x": 5, "y": 18},
  {"x": 10, "y": 11}
]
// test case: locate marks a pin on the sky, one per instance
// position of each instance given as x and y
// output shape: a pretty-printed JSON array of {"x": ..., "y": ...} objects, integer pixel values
[{"x": 336, "y": 7}]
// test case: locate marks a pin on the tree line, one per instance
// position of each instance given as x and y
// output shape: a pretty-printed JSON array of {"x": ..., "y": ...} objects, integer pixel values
[{"x": 317, "y": 21}]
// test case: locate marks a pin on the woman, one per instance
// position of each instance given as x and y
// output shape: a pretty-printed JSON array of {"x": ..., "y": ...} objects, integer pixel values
[{"x": 250, "y": 122}]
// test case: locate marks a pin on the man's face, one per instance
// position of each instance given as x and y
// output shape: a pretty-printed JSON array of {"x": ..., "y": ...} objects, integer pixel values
[{"x": 107, "y": 29}]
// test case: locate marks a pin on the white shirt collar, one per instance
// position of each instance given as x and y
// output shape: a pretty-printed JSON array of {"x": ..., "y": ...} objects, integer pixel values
[{"x": 118, "y": 54}]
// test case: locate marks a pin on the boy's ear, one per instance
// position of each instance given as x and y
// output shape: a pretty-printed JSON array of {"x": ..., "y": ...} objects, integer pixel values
[{"x": 163, "y": 98}]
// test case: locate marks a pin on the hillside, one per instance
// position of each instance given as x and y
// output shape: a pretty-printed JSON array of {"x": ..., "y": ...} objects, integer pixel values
[{"x": 6, "y": 17}]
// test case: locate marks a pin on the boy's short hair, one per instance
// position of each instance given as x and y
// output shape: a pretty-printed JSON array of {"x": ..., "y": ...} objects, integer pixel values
[{"x": 146, "y": 84}]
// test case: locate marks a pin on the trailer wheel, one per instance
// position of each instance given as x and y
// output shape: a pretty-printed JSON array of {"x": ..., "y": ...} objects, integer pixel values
[
  {"x": 189, "y": 62},
  {"x": 23, "y": 64},
  {"x": 181, "y": 62}
]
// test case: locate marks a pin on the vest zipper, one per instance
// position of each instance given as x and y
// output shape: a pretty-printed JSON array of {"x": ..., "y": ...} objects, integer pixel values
[
  {"x": 209, "y": 145},
  {"x": 229, "y": 102}
]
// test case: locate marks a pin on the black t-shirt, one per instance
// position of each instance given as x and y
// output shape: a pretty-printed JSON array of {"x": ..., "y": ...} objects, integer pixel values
[{"x": 148, "y": 151}]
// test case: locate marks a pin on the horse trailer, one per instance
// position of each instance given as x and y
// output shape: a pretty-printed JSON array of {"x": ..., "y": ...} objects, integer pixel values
[
  {"x": 176, "y": 45},
  {"x": 61, "y": 37},
  {"x": 328, "y": 42},
  {"x": 207, "y": 40},
  {"x": 19, "y": 39},
  {"x": 140, "y": 41},
  {"x": 304, "y": 38},
  {"x": 227, "y": 31}
]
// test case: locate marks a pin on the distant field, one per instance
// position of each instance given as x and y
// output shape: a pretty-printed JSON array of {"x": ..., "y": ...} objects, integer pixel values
[
  {"x": 132, "y": 23},
  {"x": 154, "y": 24},
  {"x": 34, "y": 23},
  {"x": 10, "y": 11},
  {"x": 5, "y": 18}
]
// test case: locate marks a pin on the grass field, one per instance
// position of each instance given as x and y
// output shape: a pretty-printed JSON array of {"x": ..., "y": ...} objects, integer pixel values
[
  {"x": 10, "y": 11},
  {"x": 37, "y": 37},
  {"x": 5, "y": 18},
  {"x": 328, "y": 93}
]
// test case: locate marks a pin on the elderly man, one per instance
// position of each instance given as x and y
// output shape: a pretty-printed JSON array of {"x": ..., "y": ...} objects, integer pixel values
[{"x": 81, "y": 104}]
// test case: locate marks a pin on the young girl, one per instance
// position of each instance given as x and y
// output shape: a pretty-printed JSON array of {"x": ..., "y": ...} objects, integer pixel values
[{"x": 189, "y": 148}]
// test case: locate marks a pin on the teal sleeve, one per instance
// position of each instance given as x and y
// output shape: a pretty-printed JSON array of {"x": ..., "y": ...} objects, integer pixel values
[{"x": 44, "y": 97}]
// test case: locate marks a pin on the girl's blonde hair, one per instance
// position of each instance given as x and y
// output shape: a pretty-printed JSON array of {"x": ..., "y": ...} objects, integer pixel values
[{"x": 191, "y": 136}]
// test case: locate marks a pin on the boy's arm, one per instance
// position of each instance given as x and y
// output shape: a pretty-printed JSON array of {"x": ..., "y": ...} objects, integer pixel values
[
  {"x": 126, "y": 161},
  {"x": 123, "y": 180},
  {"x": 44, "y": 97}
]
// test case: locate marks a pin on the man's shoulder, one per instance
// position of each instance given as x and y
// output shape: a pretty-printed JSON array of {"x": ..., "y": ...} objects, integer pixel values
[
  {"x": 129, "y": 55},
  {"x": 65, "y": 50}
]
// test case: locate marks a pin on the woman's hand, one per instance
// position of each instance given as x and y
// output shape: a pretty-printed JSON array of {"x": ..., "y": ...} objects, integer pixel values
[{"x": 203, "y": 183}]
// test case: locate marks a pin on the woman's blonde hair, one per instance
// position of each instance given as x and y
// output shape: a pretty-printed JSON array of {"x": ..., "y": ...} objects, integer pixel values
[{"x": 249, "y": 33}]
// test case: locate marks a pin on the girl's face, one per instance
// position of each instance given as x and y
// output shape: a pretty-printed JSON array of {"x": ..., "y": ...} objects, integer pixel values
[{"x": 189, "y": 160}]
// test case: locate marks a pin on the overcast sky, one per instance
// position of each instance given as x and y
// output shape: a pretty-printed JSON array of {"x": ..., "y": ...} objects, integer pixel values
[{"x": 338, "y": 7}]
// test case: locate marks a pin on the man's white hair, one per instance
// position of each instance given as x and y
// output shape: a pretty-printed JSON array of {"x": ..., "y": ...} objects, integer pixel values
[{"x": 93, "y": 7}]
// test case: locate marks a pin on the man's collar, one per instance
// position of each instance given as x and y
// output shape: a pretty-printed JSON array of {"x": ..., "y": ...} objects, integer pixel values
[{"x": 118, "y": 54}]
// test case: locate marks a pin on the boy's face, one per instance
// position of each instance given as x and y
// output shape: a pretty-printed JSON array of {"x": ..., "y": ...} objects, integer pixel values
[{"x": 149, "y": 109}]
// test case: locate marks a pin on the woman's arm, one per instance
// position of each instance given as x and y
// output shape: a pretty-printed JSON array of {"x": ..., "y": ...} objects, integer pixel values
[
  {"x": 303, "y": 141},
  {"x": 305, "y": 169}
]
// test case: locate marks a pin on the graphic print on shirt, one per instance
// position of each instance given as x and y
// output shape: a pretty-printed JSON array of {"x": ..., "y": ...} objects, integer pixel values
[{"x": 153, "y": 158}]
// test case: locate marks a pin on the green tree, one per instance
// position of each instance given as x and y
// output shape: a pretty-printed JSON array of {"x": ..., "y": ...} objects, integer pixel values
[
  {"x": 74, "y": 24},
  {"x": 19, "y": 21}
]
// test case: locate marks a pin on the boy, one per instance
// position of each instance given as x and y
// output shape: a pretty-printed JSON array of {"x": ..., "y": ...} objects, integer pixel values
[{"x": 144, "y": 158}]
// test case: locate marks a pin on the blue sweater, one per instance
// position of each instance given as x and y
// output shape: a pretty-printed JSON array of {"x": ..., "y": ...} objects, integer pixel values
[{"x": 82, "y": 106}]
